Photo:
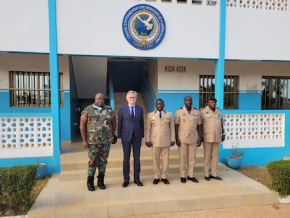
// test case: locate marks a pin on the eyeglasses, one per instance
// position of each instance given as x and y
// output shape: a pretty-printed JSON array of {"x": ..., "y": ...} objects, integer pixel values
[{"x": 132, "y": 97}]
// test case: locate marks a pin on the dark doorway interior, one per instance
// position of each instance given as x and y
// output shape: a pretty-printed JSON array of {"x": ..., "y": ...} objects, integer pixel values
[{"x": 126, "y": 74}]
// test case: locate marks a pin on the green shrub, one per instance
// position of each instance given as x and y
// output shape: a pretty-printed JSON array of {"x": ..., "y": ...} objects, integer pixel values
[
  {"x": 280, "y": 174},
  {"x": 16, "y": 184}
]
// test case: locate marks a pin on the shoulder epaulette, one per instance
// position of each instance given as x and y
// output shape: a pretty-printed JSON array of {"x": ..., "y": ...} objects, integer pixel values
[
  {"x": 194, "y": 108},
  {"x": 179, "y": 108}
]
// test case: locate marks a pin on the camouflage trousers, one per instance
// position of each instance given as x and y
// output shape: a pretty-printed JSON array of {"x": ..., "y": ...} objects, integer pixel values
[{"x": 98, "y": 155}]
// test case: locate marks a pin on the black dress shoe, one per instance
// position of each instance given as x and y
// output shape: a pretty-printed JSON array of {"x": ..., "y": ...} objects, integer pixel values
[
  {"x": 207, "y": 178},
  {"x": 165, "y": 181},
  {"x": 125, "y": 184},
  {"x": 183, "y": 180},
  {"x": 216, "y": 177},
  {"x": 192, "y": 179},
  {"x": 138, "y": 182},
  {"x": 156, "y": 181}
]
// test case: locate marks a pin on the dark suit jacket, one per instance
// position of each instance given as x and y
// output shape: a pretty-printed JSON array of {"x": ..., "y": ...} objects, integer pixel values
[{"x": 126, "y": 125}]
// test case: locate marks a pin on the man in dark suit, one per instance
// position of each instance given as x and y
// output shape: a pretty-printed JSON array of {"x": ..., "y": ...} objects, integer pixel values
[{"x": 131, "y": 134}]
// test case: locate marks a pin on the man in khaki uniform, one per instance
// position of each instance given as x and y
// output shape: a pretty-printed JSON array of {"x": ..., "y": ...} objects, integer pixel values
[
  {"x": 188, "y": 138},
  {"x": 160, "y": 136},
  {"x": 213, "y": 135}
]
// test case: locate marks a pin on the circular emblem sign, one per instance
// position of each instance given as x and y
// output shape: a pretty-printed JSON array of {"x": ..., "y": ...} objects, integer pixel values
[{"x": 144, "y": 27}]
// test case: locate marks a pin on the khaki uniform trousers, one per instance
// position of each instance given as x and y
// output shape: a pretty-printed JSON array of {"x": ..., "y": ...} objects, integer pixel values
[
  {"x": 162, "y": 152},
  {"x": 187, "y": 155},
  {"x": 211, "y": 151}
]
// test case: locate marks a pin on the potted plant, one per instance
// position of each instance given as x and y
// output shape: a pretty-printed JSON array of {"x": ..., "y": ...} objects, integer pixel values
[
  {"x": 235, "y": 160},
  {"x": 41, "y": 170}
]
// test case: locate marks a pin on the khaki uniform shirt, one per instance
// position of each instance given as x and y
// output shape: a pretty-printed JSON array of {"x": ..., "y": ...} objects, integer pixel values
[
  {"x": 160, "y": 132},
  {"x": 212, "y": 124},
  {"x": 188, "y": 123}
]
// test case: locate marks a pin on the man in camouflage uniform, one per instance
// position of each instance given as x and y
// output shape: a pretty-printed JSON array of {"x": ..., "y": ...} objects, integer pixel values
[{"x": 97, "y": 126}]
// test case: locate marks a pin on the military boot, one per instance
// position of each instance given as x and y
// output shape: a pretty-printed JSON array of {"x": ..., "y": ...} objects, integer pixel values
[
  {"x": 90, "y": 183},
  {"x": 101, "y": 181}
]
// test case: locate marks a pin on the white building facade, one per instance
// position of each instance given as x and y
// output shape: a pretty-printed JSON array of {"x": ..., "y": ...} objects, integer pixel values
[{"x": 56, "y": 54}]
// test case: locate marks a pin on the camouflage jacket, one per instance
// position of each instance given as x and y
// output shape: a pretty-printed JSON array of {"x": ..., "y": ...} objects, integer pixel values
[{"x": 99, "y": 125}]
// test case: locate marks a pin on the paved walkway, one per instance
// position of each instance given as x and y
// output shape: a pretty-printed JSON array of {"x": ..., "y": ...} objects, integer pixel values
[{"x": 71, "y": 198}]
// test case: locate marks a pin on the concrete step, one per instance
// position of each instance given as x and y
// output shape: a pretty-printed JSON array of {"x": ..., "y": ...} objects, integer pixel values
[
  {"x": 74, "y": 175},
  {"x": 118, "y": 163},
  {"x": 72, "y": 199},
  {"x": 116, "y": 153}
]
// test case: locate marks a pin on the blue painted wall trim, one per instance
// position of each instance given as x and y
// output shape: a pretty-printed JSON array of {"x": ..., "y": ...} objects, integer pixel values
[
  {"x": 32, "y": 160},
  {"x": 111, "y": 91},
  {"x": 65, "y": 118},
  {"x": 148, "y": 93},
  {"x": 261, "y": 156},
  {"x": 173, "y": 101},
  {"x": 54, "y": 76},
  {"x": 249, "y": 101},
  {"x": 74, "y": 104},
  {"x": 220, "y": 63}
]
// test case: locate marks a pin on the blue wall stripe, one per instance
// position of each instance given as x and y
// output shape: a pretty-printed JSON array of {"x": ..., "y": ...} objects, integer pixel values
[
  {"x": 249, "y": 101},
  {"x": 220, "y": 63},
  {"x": 255, "y": 111},
  {"x": 54, "y": 72},
  {"x": 25, "y": 115},
  {"x": 111, "y": 91},
  {"x": 148, "y": 93},
  {"x": 169, "y": 90},
  {"x": 173, "y": 101},
  {"x": 31, "y": 160}
]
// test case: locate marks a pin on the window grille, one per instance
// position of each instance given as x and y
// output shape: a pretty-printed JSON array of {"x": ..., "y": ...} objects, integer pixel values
[
  {"x": 207, "y": 89},
  {"x": 32, "y": 89},
  {"x": 275, "y": 93}
]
